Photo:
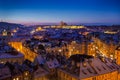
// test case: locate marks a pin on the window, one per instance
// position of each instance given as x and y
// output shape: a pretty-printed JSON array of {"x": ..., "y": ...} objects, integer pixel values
[
  {"x": 17, "y": 78},
  {"x": 84, "y": 64},
  {"x": 94, "y": 78}
]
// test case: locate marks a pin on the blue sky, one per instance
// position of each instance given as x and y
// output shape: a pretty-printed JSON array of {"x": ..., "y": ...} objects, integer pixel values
[{"x": 54, "y": 11}]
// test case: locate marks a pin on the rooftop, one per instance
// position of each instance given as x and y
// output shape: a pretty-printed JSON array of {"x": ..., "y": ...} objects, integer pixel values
[
  {"x": 80, "y": 57},
  {"x": 84, "y": 66},
  {"x": 4, "y": 55},
  {"x": 4, "y": 72},
  {"x": 40, "y": 72}
]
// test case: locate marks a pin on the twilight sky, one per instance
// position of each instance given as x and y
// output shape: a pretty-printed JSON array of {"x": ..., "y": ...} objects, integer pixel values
[{"x": 54, "y": 11}]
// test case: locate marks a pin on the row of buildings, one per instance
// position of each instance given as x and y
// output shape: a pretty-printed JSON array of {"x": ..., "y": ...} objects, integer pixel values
[{"x": 60, "y": 54}]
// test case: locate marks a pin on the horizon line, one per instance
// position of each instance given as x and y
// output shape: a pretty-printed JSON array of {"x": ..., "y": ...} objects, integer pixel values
[{"x": 57, "y": 23}]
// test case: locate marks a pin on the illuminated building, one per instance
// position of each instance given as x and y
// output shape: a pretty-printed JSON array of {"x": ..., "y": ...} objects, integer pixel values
[
  {"x": 106, "y": 44},
  {"x": 41, "y": 74},
  {"x": 4, "y": 33},
  {"x": 76, "y": 47},
  {"x": 39, "y": 29},
  {"x": 84, "y": 67},
  {"x": 8, "y": 54},
  {"x": 4, "y": 57},
  {"x": 28, "y": 54},
  {"x": 64, "y": 25},
  {"x": 63, "y": 55},
  {"x": 69, "y": 27},
  {"x": 117, "y": 55},
  {"x": 110, "y": 32}
]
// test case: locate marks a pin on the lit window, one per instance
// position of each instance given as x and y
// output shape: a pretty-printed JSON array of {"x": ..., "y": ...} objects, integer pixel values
[
  {"x": 2, "y": 62},
  {"x": 18, "y": 49},
  {"x": 84, "y": 64},
  {"x": 59, "y": 50},
  {"x": 17, "y": 78},
  {"x": 26, "y": 73}
]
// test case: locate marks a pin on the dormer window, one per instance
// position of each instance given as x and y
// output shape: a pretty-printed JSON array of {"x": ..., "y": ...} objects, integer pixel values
[
  {"x": 78, "y": 64},
  {"x": 84, "y": 64}
]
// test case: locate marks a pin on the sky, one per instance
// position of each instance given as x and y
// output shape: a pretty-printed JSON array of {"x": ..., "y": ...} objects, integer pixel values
[{"x": 54, "y": 11}]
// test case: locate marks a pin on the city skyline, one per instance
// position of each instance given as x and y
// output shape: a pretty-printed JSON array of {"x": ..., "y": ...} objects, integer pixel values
[{"x": 52, "y": 11}]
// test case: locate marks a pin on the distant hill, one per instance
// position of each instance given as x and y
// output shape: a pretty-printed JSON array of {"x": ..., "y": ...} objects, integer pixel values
[{"x": 5, "y": 25}]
